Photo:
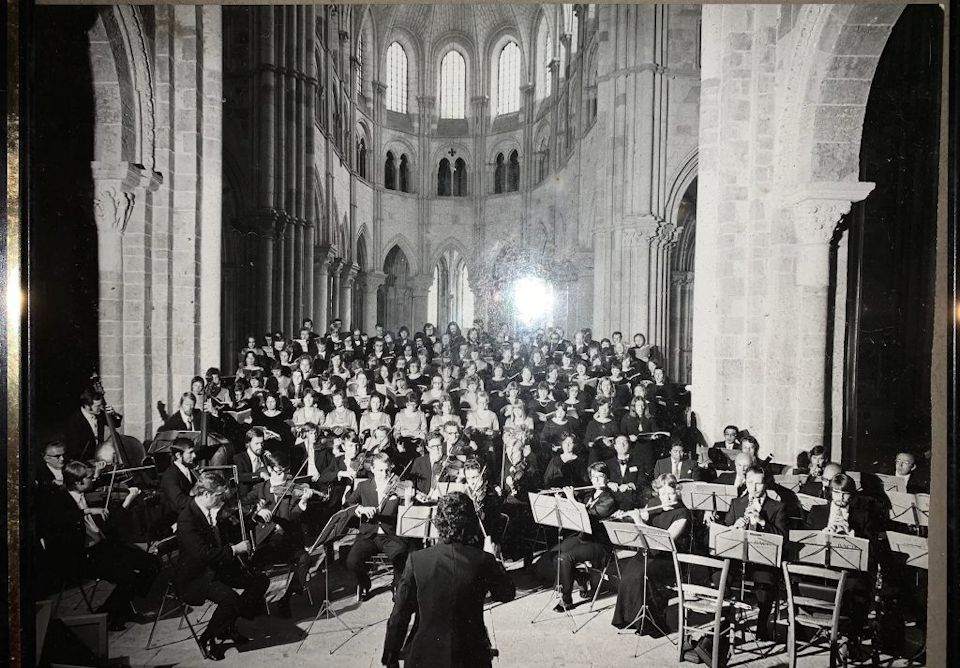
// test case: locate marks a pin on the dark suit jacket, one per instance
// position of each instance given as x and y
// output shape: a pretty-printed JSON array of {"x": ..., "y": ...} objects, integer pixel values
[
  {"x": 688, "y": 469},
  {"x": 202, "y": 553},
  {"x": 635, "y": 474},
  {"x": 365, "y": 493},
  {"x": 772, "y": 513},
  {"x": 860, "y": 518},
  {"x": 175, "y": 489},
  {"x": 245, "y": 472},
  {"x": 78, "y": 437},
  {"x": 445, "y": 585},
  {"x": 61, "y": 527}
]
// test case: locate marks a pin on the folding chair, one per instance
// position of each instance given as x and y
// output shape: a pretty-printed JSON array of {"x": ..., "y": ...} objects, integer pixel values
[
  {"x": 166, "y": 550},
  {"x": 820, "y": 613},
  {"x": 704, "y": 600}
]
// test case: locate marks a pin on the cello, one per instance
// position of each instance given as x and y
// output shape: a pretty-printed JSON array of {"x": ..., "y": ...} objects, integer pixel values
[{"x": 129, "y": 450}]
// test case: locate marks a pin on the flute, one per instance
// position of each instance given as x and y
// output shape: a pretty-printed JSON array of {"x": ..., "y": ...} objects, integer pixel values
[{"x": 556, "y": 490}]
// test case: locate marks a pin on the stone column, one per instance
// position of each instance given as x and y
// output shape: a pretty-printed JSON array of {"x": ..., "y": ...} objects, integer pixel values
[
  {"x": 322, "y": 261},
  {"x": 348, "y": 276},
  {"x": 817, "y": 208},
  {"x": 335, "y": 268},
  {"x": 373, "y": 280},
  {"x": 266, "y": 280},
  {"x": 420, "y": 288}
]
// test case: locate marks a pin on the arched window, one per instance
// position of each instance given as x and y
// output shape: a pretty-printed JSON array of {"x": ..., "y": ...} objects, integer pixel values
[
  {"x": 396, "y": 78},
  {"x": 443, "y": 178},
  {"x": 453, "y": 85},
  {"x": 591, "y": 89},
  {"x": 460, "y": 178},
  {"x": 544, "y": 56},
  {"x": 362, "y": 158},
  {"x": 337, "y": 120},
  {"x": 404, "y": 174},
  {"x": 508, "y": 79},
  {"x": 543, "y": 160},
  {"x": 389, "y": 173},
  {"x": 499, "y": 174},
  {"x": 513, "y": 173}
]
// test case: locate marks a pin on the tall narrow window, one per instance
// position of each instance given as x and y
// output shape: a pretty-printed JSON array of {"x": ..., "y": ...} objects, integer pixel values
[
  {"x": 571, "y": 26},
  {"x": 362, "y": 158},
  {"x": 453, "y": 85},
  {"x": 460, "y": 178},
  {"x": 508, "y": 79},
  {"x": 543, "y": 160},
  {"x": 404, "y": 174},
  {"x": 396, "y": 79},
  {"x": 443, "y": 178},
  {"x": 360, "y": 65},
  {"x": 544, "y": 56},
  {"x": 389, "y": 173},
  {"x": 499, "y": 174},
  {"x": 513, "y": 173}
]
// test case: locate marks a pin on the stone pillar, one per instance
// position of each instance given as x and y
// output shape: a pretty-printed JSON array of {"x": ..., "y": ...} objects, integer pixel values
[
  {"x": 210, "y": 107},
  {"x": 680, "y": 313},
  {"x": 309, "y": 306},
  {"x": 348, "y": 276},
  {"x": 373, "y": 280},
  {"x": 335, "y": 268},
  {"x": 289, "y": 281},
  {"x": 817, "y": 208},
  {"x": 266, "y": 281},
  {"x": 420, "y": 288},
  {"x": 322, "y": 261}
]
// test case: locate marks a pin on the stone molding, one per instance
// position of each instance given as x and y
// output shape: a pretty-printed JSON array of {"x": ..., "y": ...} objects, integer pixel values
[
  {"x": 819, "y": 205},
  {"x": 116, "y": 188}
]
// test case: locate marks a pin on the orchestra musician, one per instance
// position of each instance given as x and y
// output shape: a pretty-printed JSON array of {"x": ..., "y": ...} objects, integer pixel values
[
  {"x": 377, "y": 502},
  {"x": 179, "y": 478},
  {"x": 50, "y": 472},
  {"x": 593, "y": 547},
  {"x": 78, "y": 544},
  {"x": 677, "y": 465},
  {"x": 445, "y": 587},
  {"x": 431, "y": 468},
  {"x": 905, "y": 467},
  {"x": 250, "y": 467},
  {"x": 627, "y": 479},
  {"x": 485, "y": 499},
  {"x": 86, "y": 428},
  {"x": 667, "y": 512},
  {"x": 209, "y": 568}
]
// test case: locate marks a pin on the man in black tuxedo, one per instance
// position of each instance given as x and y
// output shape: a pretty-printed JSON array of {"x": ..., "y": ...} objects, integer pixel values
[
  {"x": 682, "y": 469},
  {"x": 179, "y": 478},
  {"x": 445, "y": 586},
  {"x": 377, "y": 509},
  {"x": 209, "y": 569},
  {"x": 757, "y": 512},
  {"x": 50, "y": 471},
  {"x": 627, "y": 481},
  {"x": 819, "y": 486},
  {"x": 906, "y": 467},
  {"x": 84, "y": 430}
]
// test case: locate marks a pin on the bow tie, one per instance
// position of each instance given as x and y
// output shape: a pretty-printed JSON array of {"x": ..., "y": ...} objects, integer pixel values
[{"x": 623, "y": 461}]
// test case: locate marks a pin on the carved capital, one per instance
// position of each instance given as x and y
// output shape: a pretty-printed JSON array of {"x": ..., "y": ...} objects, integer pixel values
[
  {"x": 323, "y": 256},
  {"x": 379, "y": 88},
  {"x": 372, "y": 280},
  {"x": 116, "y": 189},
  {"x": 640, "y": 230},
  {"x": 819, "y": 206}
]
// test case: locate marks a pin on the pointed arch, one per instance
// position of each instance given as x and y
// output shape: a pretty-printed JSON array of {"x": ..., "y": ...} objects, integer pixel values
[{"x": 400, "y": 241}]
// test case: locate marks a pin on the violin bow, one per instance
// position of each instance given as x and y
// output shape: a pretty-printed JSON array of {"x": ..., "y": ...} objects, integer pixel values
[{"x": 286, "y": 490}]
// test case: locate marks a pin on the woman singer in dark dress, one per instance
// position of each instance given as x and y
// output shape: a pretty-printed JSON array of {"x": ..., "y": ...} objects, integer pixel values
[{"x": 674, "y": 517}]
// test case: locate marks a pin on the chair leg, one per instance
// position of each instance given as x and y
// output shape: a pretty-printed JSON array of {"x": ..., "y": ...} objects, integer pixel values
[
  {"x": 153, "y": 627},
  {"x": 792, "y": 646}
]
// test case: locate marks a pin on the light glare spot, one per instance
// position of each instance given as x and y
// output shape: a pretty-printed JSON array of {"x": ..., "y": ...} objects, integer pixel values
[{"x": 532, "y": 299}]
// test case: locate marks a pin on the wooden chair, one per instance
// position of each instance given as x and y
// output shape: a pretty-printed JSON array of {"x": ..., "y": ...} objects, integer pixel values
[
  {"x": 704, "y": 600},
  {"x": 821, "y": 614}
]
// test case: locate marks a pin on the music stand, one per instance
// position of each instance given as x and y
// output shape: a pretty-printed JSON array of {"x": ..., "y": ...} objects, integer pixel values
[
  {"x": 558, "y": 511},
  {"x": 915, "y": 547},
  {"x": 745, "y": 546},
  {"x": 912, "y": 509},
  {"x": 163, "y": 441},
  {"x": 708, "y": 497},
  {"x": 893, "y": 483},
  {"x": 807, "y": 501},
  {"x": 335, "y": 529},
  {"x": 417, "y": 522},
  {"x": 832, "y": 550},
  {"x": 643, "y": 539},
  {"x": 791, "y": 482}
]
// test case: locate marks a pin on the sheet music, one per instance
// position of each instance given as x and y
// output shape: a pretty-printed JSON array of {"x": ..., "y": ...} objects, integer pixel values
[
  {"x": 416, "y": 521},
  {"x": 915, "y": 547},
  {"x": 807, "y": 501},
  {"x": 893, "y": 483},
  {"x": 628, "y": 534},
  {"x": 749, "y": 546},
  {"x": 832, "y": 550},
  {"x": 791, "y": 482},
  {"x": 707, "y": 496},
  {"x": 912, "y": 509}
]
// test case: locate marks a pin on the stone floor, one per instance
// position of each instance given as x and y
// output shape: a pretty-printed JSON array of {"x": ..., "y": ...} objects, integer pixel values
[{"x": 550, "y": 641}]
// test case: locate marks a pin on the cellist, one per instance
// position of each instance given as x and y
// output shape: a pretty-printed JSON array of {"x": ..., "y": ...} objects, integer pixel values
[{"x": 86, "y": 429}]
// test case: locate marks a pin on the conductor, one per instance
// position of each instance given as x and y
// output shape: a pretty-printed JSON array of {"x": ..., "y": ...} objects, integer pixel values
[{"x": 446, "y": 585}]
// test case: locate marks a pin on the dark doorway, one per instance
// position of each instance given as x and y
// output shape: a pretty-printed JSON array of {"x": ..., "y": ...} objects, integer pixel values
[
  {"x": 62, "y": 236},
  {"x": 892, "y": 251}
]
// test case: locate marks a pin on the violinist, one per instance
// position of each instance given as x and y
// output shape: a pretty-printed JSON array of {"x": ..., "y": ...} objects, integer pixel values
[
  {"x": 486, "y": 501},
  {"x": 86, "y": 428},
  {"x": 341, "y": 473},
  {"x": 520, "y": 475},
  {"x": 593, "y": 547},
  {"x": 78, "y": 543},
  {"x": 250, "y": 467},
  {"x": 281, "y": 504},
  {"x": 429, "y": 469},
  {"x": 378, "y": 501},
  {"x": 50, "y": 471},
  {"x": 180, "y": 477},
  {"x": 317, "y": 452},
  {"x": 664, "y": 511},
  {"x": 210, "y": 570}
]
